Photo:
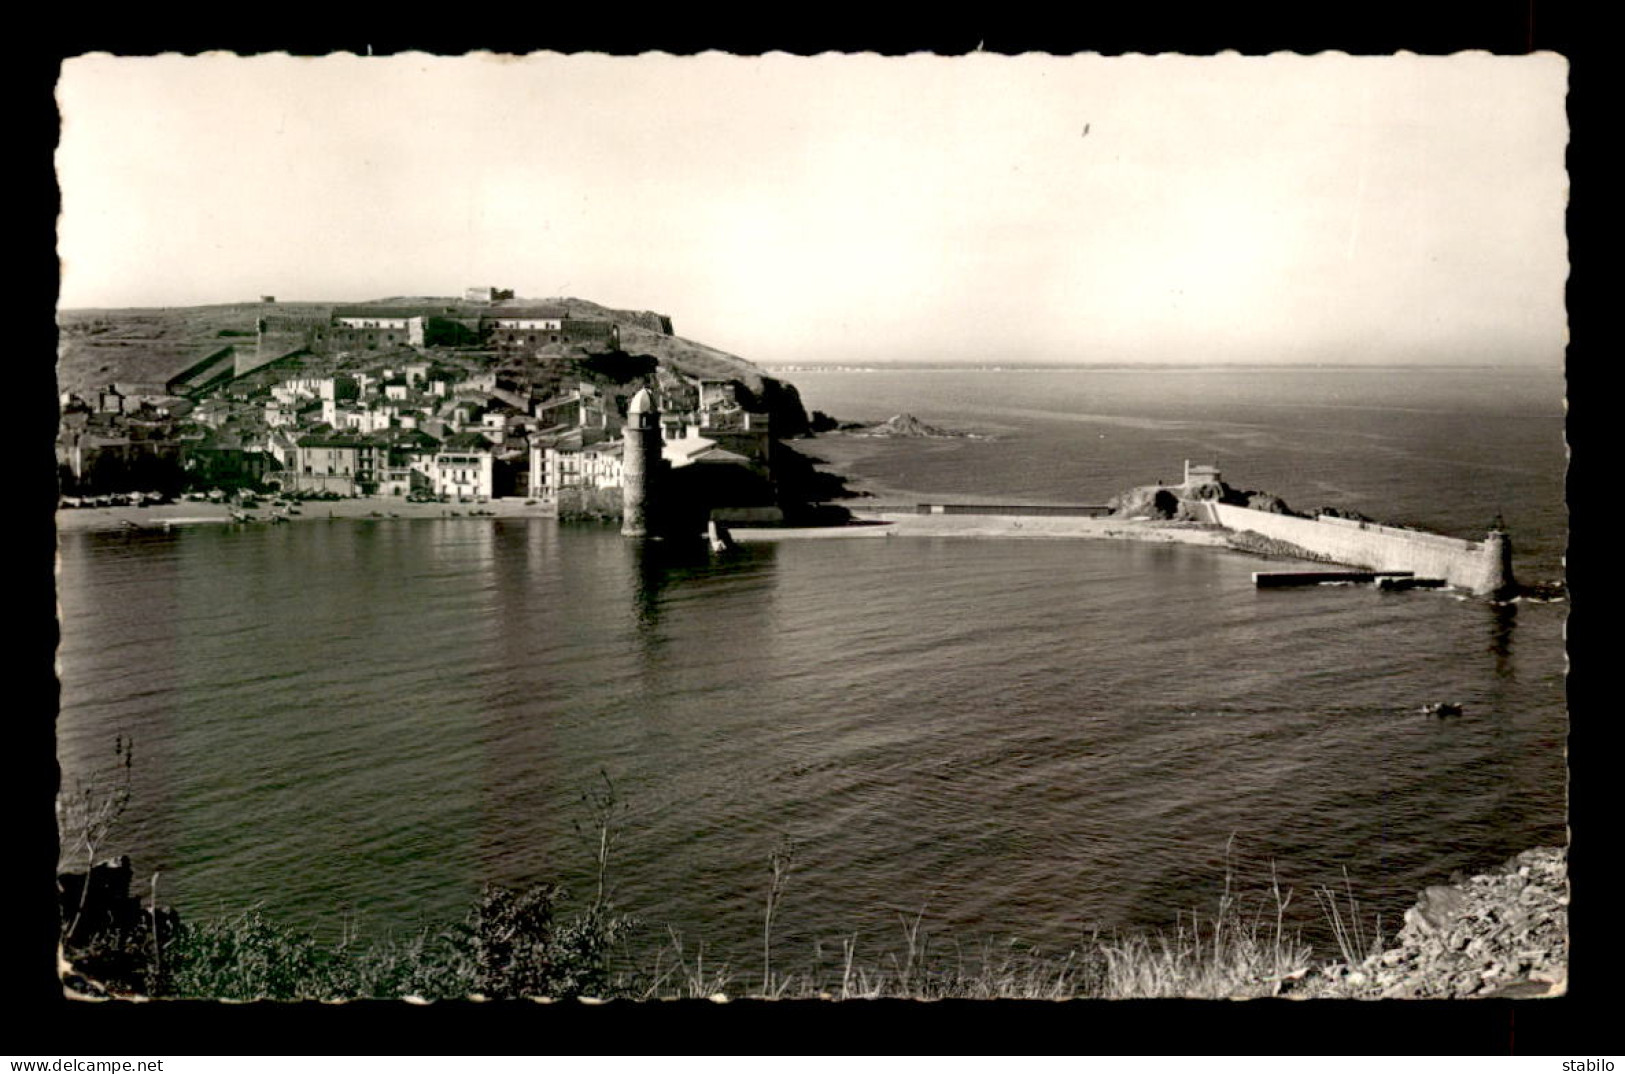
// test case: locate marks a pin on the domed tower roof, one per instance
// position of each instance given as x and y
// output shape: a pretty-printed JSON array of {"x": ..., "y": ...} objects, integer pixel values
[{"x": 642, "y": 403}]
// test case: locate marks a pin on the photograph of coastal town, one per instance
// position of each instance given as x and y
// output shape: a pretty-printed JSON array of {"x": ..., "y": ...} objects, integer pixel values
[{"x": 812, "y": 528}]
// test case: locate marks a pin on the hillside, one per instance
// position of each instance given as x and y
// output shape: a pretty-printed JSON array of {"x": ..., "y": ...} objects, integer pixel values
[
  {"x": 148, "y": 346},
  {"x": 102, "y": 346}
]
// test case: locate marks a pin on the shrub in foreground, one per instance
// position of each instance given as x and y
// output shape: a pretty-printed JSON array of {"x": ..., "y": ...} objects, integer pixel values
[{"x": 513, "y": 944}]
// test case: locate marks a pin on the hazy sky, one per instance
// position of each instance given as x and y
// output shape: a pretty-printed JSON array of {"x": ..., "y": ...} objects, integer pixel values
[{"x": 857, "y": 209}]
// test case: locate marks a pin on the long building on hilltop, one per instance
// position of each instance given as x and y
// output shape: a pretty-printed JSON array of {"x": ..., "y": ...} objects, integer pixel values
[{"x": 500, "y": 325}]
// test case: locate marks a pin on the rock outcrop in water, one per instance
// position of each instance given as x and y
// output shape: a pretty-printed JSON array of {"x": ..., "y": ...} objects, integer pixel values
[
  {"x": 907, "y": 426},
  {"x": 1502, "y": 934}
]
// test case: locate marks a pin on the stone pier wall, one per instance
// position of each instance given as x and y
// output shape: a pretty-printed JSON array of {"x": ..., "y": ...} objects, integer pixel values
[{"x": 1481, "y": 567}]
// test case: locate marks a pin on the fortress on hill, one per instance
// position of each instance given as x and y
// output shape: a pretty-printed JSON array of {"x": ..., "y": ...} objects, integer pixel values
[
  {"x": 442, "y": 398},
  {"x": 499, "y": 323}
]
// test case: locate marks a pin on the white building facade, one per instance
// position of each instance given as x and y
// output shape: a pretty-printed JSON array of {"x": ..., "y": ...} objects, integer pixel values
[{"x": 463, "y": 474}]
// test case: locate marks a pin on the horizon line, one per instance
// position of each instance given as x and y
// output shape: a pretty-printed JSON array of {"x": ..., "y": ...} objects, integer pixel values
[{"x": 1150, "y": 363}]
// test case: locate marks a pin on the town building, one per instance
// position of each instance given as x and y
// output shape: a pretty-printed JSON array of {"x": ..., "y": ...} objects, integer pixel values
[
  {"x": 102, "y": 460},
  {"x": 1199, "y": 474},
  {"x": 488, "y": 319},
  {"x": 716, "y": 393},
  {"x": 584, "y": 407},
  {"x": 225, "y": 460},
  {"x": 571, "y": 461},
  {"x": 337, "y": 462},
  {"x": 464, "y": 468}
]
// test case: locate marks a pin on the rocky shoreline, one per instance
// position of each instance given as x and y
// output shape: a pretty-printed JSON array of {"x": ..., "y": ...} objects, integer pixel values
[{"x": 1502, "y": 934}]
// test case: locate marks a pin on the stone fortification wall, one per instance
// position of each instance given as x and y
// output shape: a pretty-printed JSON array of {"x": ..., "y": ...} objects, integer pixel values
[
  {"x": 269, "y": 347},
  {"x": 1482, "y": 567},
  {"x": 1438, "y": 540},
  {"x": 590, "y": 505},
  {"x": 601, "y": 333},
  {"x": 647, "y": 319},
  {"x": 1021, "y": 510},
  {"x": 216, "y": 366},
  {"x": 303, "y": 323},
  {"x": 278, "y": 335}
]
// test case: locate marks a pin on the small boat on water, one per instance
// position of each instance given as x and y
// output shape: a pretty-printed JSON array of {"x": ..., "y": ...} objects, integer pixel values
[{"x": 1442, "y": 709}]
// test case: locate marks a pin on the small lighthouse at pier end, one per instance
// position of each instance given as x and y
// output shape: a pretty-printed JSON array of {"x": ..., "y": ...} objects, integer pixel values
[{"x": 640, "y": 461}]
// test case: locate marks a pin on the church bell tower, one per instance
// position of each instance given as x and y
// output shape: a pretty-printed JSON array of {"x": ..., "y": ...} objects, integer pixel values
[{"x": 640, "y": 461}]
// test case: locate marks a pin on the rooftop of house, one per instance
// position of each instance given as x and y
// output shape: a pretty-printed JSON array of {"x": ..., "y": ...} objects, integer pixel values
[
  {"x": 380, "y": 313},
  {"x": 412, "y": 437},
  {"x": 466, "y": 441},
  {"x": 559, "y": 438},
  {"x": 687, "y": 446},
  {"x": 577, "y": 440},
  {"x": 718, "y": 456},
  {"x": 499, "y": 311},
  {"x": 558, "y": 401},
  {"x": 336, "y": 440},
  {"x": 219, "y": 440}
]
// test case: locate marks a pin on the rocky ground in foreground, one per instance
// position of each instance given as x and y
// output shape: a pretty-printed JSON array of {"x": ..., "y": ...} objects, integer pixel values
[{"x": 1502, "y": 934}]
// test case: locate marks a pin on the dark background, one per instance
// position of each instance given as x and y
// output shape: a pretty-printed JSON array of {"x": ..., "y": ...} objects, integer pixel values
[{"x": 45, "y": 1024}]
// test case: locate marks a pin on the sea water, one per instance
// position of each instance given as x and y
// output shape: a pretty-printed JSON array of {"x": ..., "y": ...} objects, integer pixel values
[{"x": 356, "y": 723}]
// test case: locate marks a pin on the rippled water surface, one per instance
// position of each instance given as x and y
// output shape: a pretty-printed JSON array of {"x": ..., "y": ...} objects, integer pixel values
[{"x": 1026, "y": 739}]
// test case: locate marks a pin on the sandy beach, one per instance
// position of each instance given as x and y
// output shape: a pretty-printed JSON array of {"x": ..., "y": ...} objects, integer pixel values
[{"x": 78, "y": 519}]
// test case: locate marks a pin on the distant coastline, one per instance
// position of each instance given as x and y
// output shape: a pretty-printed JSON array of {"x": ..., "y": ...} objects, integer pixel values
[{"x": 906, "y": 365}]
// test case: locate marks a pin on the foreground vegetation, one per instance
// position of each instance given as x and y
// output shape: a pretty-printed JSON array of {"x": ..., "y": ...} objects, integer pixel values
[
  {"x": 535, "y": 942},
  {"x": 517, "y": 943}
]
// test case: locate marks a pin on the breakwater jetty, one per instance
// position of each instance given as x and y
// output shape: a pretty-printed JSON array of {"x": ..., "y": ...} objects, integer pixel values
[
  {"x": 1480, "y": 567},
  {"x": 1261, "y": 522}
]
